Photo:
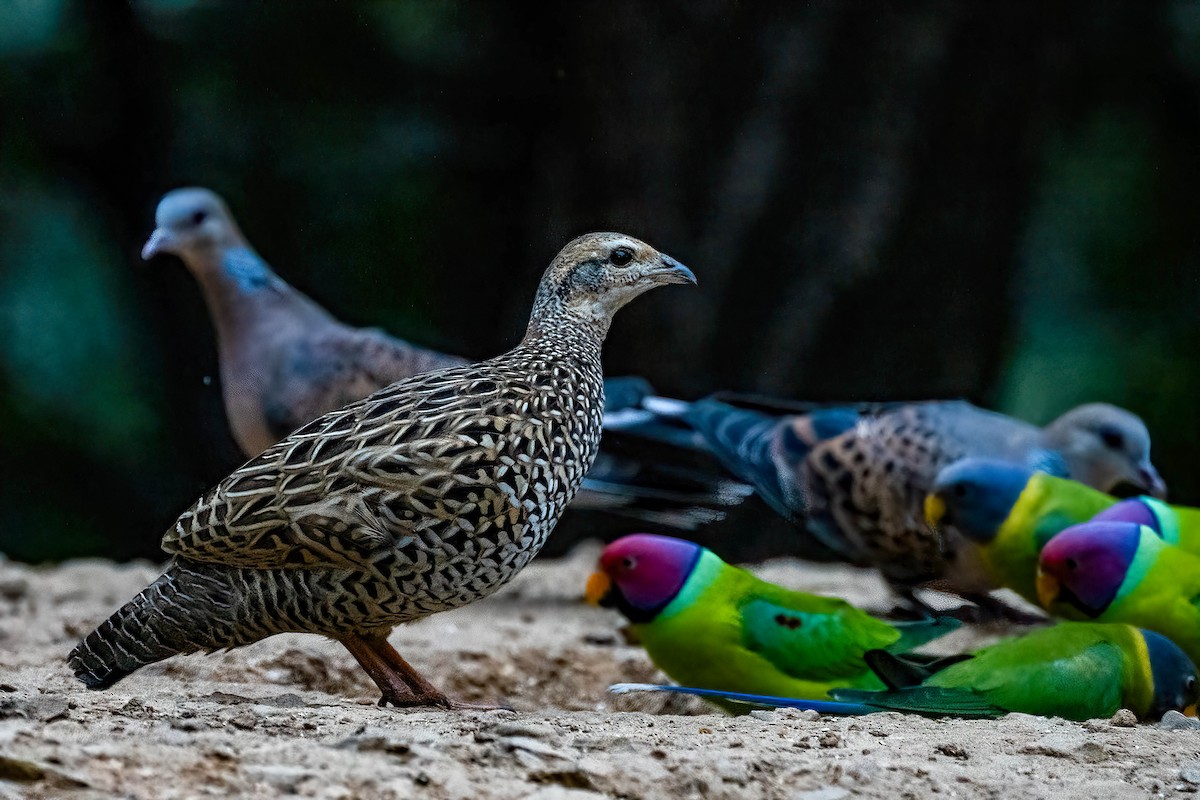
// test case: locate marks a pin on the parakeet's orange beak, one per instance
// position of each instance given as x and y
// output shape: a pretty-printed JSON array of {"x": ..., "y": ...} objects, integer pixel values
[
  {"x": 1190, "y": 711},
  {"x": 935, "y": 509},
  {"x": 598, "y": 587},
  {"x": 1047, "y": 589}
]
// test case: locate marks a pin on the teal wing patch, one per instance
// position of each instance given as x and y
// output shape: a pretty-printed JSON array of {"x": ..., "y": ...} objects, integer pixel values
[{"x": 815, "y": 645}]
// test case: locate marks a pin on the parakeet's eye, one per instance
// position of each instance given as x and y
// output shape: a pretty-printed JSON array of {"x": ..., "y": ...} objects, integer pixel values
[
  {"x": 621, "y": 256},
  {"x": 1112, "y": 439},
  {"x": 960, "y": 490},
  {"x": 629, "y": 562},
  {"x": 199, "y": 217},
  {"x": 1190, "y": 686},
  {"x": 1070, "y": 563}
]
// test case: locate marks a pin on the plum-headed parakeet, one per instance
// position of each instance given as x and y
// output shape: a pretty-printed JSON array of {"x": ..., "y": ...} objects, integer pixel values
[
  {"x": 1074, "y": 670},
  {"x": 996, "y": 516},
  {"x": 1123, "y": 572},
  {"x": 709, "y": 624}
]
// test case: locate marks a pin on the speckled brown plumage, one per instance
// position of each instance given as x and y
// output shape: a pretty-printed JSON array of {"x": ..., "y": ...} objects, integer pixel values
[
  {"x": 424, "y": 496},
  {"x": 855, "y": 479}
]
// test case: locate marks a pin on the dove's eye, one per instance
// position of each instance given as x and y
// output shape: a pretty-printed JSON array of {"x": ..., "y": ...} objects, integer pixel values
[
  {"x": 621, "y": 256},
  {"x": 1112, "y": 439}
]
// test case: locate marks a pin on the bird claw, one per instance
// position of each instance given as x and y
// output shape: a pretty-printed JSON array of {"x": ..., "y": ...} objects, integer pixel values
[{"x": 435, "y": 700}]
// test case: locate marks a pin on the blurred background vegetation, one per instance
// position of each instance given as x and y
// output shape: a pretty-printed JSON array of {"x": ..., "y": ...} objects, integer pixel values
[{"x": 907, "y": 200}]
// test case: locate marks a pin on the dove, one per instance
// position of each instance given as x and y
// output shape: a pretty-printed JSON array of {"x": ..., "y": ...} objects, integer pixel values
[{"x": 855, "y": 479}]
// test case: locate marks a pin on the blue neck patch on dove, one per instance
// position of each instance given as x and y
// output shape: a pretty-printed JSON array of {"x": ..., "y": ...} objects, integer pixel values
[{"x": 246, "y": 269}]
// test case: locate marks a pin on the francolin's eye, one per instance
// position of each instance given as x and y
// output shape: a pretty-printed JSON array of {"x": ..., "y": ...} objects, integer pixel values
[
  {"x": 621, "y": 256},
  {"x": 199, "y": 217}
]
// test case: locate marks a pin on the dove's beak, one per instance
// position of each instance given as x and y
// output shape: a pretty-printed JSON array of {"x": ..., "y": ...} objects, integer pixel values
[
  {"x": 599, "y": 587},
  {"x": 672, "y": 271},
  {"x": 1151, "y": 481},
  {"x": 158, "y": 242},
  {"x": 1047, "y": 589}
]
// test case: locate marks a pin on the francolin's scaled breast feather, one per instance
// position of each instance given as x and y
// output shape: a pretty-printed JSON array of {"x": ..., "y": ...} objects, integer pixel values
[{"x": 425, "y": 496}]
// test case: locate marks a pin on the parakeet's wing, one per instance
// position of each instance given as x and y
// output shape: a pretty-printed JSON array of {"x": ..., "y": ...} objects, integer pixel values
[
  {"x": 1060, "y": 675},
  {"x": 812, "y": 638}
]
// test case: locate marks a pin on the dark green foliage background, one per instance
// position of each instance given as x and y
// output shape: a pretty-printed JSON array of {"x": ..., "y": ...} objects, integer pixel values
[{"x": 927, "y": 199}]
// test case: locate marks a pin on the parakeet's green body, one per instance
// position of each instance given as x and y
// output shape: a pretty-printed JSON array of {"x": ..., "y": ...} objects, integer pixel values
[
  {"x": 1046, "y": 506},
  {"x": 1160, "y": 592},
  {"x": 727, "y": 629},
  {"x": 1073, "y": 670}
]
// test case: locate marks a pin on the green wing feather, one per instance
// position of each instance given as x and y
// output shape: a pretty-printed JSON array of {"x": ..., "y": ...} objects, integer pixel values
[
  {"x": 811, "y": 637},
  {"x": 915, "y": 634},
  {"x": 1072, "y": 673}
]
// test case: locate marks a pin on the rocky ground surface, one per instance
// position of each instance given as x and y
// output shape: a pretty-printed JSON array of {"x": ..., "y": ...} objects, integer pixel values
[{"x": 293, "y": 716}]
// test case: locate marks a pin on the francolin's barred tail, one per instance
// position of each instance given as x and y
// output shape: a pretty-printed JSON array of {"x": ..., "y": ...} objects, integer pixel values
[{"x": 425, "y": 496}]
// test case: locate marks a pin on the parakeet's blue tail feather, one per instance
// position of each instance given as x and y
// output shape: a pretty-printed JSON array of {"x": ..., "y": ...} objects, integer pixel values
[{"x": 761, "y": 700}]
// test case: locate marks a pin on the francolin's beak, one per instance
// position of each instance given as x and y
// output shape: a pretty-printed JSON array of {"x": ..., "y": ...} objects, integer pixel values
[
  {"x": 598, "y": 589},
  {"x": 155, "y": 244},
  {"x": 673, "y": 272},
  {"x": 1151, "y": 481},
  {"x": 1047, "y": 589},
  {"x": 935, "y": 510}
]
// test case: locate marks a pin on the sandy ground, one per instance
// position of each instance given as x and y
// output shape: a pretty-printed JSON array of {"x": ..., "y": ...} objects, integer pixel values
[{"x": 293, "y": 716}]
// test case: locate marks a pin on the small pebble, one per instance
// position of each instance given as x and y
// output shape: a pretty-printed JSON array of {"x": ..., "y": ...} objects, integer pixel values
[{"x": 1124, "y": 719}]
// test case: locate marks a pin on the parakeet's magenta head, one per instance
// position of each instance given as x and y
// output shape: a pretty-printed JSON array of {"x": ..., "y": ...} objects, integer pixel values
[
  {"x": 640, "y": 574},
  {"x": 1176, "y": 683},
  {"x": 1136, "y": 511},
  {"x": 1085, "y": 565},
  {"x": 975, "y": 496}
]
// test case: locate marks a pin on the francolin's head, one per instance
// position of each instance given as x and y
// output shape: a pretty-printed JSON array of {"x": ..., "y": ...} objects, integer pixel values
[
  {"x": 1106, "y": 447},
  {"x": 189, "y": 222},
  {"x": 596, "y": 274}
]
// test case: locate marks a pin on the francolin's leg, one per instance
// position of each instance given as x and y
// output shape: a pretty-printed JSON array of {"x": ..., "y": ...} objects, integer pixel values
[
  {"x": 396, "y": 690},
  {"x": 423, "y": 692}
]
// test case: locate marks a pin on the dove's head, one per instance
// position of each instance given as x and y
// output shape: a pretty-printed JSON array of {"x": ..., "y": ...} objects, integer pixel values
[
  {"x": 1081, "y": 570},
  {"x": 975, "y": 496},
  {"x": 642, "y": 573},
  {"x": 596, "y": 274},
  {"x": 1106, "y": 447},
  {"x": 189, "y": 222}
]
